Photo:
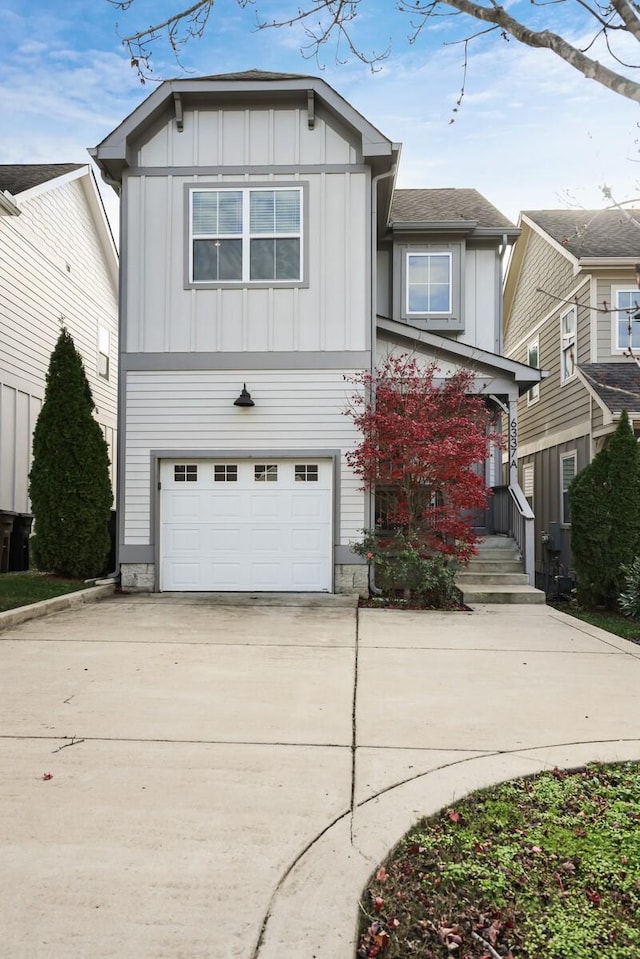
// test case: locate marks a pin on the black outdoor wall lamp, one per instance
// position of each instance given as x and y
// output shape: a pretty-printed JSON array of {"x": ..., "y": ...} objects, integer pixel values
[{"x": 245, "y": 397}]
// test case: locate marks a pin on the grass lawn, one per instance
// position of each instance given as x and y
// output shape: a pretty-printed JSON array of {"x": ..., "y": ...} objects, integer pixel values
[
  {"x": 544, "y": 867},
  {"x": 612, "y": 622},
  {"x": 22, "y": 589}
]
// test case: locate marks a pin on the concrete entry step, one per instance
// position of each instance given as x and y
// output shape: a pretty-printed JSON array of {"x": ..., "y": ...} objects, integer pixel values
[
  {"x": 493, "y": 578},
  {"x": 494, "y": 566},
  {"x": 501, "y": 594}
]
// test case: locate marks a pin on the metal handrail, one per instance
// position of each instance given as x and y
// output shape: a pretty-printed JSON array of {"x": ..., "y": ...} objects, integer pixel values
[{"x": 512, "y": 515}]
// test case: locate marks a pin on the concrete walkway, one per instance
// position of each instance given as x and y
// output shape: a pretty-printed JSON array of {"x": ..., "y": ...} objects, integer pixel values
[{"x": 243, "y": 770}]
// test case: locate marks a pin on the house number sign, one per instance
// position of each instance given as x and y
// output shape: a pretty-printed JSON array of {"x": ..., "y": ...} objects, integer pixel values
[{"x": 513, "y": 443}]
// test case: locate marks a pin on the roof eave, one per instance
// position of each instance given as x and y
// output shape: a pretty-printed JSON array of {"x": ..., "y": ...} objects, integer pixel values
[
  {"x": 603, "y": 262},
  {"x": 112, "y": 153},
  {"x": 8, "y": 207}
]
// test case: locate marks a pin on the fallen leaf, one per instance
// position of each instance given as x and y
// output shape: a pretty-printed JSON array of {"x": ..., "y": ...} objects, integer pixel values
[
  {"x": 454, "y": 816},
  {"x": 378, "y": 903},
  {"x": 47, "y": 776},
  {"x": 381, "y": 874}
]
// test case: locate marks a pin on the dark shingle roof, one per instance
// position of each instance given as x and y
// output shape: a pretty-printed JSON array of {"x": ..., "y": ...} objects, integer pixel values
[
  {"x": 256, "y": 75},
  {"x": 592, "y": 232},
  {"x": 448, "y": 205},
  {"x": 617, "y": 384},
  {"x": 18, "y": 177}
]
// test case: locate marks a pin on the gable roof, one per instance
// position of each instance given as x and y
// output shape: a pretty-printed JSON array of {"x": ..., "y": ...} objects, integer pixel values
[
  {"x": 617, "y": 385},
  {"x": 18, "y": 177},
  {"x": 447, "y": 205},
  {"x": 591, "y": 233},
  {"x": 113, "y": 153}
]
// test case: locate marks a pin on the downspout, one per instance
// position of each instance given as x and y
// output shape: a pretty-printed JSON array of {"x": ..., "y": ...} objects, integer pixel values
[{"x": 374, "y": 315}]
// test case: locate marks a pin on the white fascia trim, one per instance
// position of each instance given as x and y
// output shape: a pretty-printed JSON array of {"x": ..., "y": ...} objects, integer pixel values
[
  {"x": 575, "y": 262},
  {"x": 554, "y": 439},
  {"x": 7, "y": 205},
  {"x": 374, "y": 143},
  {"x": 559, "y": 306},
  {"x": 55, "y": 182},
  {"x": 521, "y": 372},
  {"x": 94, "y": 199}
]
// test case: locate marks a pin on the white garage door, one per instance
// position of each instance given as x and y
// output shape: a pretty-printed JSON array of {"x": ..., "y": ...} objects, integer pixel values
[{"x": 246, "y": 525}]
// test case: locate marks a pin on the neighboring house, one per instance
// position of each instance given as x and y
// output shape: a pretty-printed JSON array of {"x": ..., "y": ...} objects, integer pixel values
[
  {"x": 58, "y": 267},
  {"x": 264, "y": 263},
  {"x": 571, "y": 296}
]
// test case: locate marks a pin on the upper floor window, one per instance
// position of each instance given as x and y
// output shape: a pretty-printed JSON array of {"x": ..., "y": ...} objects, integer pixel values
[
  {"x": 248, "y": 235},
  {"x": 427, "y": 285},
  {"x": 428, "y": 288},
  {"x": 627, "y": 329},
  {"x": 568, "y": 358},
  {"x": 533, "y": 359}
]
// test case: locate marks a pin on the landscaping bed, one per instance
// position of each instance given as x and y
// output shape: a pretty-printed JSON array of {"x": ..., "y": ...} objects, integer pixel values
[
  {"x": 23, "y": 589},
  {"x": 544, "y": 867},
  {"x": 612, "y": 622}
]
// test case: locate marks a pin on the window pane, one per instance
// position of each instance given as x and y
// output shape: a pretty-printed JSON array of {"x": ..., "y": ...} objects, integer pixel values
[
  {"x": 215, "y": 260},
  {"x": 287, "y": 211},
  {"x": 533, "y": 355},
  {"x": 217, "y": 212},
  {"x": 205, "y": 212},
  {"x": 418, "y": 269},
  {"x": 439, "y": 269},
  {"x": 262, "y": 259},
  {"x": 275, "y": 211},
  {"x": 275, "y": 259},
  {"x": 418, "y": 299},
  {"x": 288, "y": 259},
  {"x": 262, "y": 207},
  {"x": 230, "y": 212},
  {"x": 439, "y": 299}
]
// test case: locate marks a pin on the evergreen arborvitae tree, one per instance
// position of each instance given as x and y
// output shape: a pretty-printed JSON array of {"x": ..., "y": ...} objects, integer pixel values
[
  {"x": 70, "y": 487},
  {"x": 605, "y": 518}
]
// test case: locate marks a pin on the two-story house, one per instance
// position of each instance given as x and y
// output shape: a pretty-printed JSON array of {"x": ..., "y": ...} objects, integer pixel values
[
  {"x": 58, "y": 267},
  {"x": 571, "y": 308},
  {"x": 266, "y": 261}
]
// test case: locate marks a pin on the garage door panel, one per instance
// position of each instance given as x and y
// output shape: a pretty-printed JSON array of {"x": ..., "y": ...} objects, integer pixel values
[{"x": 236, "y": 533}]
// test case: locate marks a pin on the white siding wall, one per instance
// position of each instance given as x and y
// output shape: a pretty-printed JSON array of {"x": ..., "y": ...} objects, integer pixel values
[
  {"x": 191, "y": 411},
  {"x": 52, "y": 272},
  {"x": 481, "y": 305},
  {"x": 239, "y": 137},
  {"x": 331, "y": 314}
]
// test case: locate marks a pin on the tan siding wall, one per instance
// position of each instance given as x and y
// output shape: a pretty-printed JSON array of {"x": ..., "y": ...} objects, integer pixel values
[
  {"x": 544, "y": 268},
  {"x": 301, "y": 409},
  {"x": 52, "y": 272},
  {"x": 605, "y": 299}
]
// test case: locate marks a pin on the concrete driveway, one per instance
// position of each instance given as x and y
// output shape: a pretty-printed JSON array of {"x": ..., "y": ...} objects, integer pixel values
[{"x": 242, "y": 770}]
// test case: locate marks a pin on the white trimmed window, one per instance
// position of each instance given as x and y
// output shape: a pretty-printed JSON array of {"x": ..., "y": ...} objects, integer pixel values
[
  {"x": 568, "y": 469},
  {"x": 527, "y": 481},
  {"x": 568, "y": 357},
  {"x": 251, "y": 235},
  {"x": 428, "y": 287},
  {"x": 104, "y": 352},
  {"x": 627, "y": 329},
  {"x": 533, "y": 359}
]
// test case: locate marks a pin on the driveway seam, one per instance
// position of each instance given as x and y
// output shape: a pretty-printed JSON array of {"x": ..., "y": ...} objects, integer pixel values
[
  {"x": 174, "y": 742},
  {"x": 354, "y": 724}
]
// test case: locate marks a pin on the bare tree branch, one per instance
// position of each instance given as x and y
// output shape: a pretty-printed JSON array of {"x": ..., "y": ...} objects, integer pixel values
[{"x": 326, "y": 21}]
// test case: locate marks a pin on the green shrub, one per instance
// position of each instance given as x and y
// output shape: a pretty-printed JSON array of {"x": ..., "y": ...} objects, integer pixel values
[
  {"x": 605, "y": 518},
  {"x": 70, "y": 487},
  {"x": 629, "y": 599},
  {"x": 402, "y": 567}
]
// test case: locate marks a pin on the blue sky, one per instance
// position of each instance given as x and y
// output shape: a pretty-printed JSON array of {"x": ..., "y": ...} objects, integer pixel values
[{"x": 532, "y": 133}]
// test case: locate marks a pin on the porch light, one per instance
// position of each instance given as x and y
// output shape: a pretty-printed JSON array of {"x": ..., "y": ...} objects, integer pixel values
[{"x": 245, "y": 397}]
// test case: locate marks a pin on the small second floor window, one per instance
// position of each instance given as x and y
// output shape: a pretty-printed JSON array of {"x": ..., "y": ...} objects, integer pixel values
[
  {"x": 246, "y": 235},
  {"x": 627, "y": 329},
  {"x": 568, "y": 354},
  {"x": 428, "y": 287}
]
